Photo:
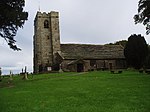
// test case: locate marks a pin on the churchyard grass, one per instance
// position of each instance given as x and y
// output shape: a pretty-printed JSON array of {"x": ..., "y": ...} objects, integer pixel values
[{"x": 71, "y": 92}]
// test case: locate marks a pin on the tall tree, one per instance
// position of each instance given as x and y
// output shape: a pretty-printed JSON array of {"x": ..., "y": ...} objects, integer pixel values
[
  {"x": 136, "y": 51},
  {"x": 143, "y": 15},
  {"x": 12, "y": 17}
]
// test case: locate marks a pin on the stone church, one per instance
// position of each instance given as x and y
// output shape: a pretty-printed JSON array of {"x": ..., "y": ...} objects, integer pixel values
[{"x": 51, "y": 55}]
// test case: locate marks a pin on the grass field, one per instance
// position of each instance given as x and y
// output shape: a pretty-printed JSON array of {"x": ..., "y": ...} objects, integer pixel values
[{"x": 72, "y": 92}]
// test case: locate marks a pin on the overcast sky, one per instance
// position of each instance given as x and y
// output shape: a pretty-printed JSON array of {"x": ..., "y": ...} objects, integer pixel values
[{"x": 81, "y": 21}]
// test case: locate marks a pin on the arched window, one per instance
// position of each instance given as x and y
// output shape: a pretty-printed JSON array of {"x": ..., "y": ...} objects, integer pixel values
[{"x": 46, "y": 24}]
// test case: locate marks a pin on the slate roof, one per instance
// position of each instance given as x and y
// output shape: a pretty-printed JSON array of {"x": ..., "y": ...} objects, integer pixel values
[{"x": 87, "y": 51}]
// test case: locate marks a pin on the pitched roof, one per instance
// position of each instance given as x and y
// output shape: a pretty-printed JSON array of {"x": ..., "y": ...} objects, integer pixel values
[{"x": 87, "y": 51}]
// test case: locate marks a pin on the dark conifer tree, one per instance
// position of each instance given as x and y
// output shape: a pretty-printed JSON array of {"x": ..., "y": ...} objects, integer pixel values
[{"x": 136, "y": 51}]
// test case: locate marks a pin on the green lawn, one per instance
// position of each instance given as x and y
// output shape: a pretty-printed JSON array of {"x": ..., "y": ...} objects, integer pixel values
[{"x": 72, "y": 92}]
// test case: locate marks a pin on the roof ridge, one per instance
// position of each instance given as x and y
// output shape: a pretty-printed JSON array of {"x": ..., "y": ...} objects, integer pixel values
[{"x": 90, "y": 44}]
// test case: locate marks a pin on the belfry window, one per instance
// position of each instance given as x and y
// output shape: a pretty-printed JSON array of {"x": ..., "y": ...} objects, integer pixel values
[{"x": 46, "y": 24}]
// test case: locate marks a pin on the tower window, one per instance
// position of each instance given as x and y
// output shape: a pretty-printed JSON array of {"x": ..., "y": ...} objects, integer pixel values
[
  {"x": 46, "y": 24},
  {"x": 48, "y": 37}
]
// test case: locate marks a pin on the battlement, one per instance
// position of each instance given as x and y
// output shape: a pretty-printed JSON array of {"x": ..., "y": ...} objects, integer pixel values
[
  {"x": 54, "y": 14},
  {"x": 44, "y": 14}
]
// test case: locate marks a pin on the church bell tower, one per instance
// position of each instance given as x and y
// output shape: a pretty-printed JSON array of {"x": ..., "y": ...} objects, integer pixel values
[{"x": 46, "y": 41}]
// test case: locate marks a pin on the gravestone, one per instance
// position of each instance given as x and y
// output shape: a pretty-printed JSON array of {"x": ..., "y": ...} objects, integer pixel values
[
  {"x": 25, "y": 74},
  {"x": 11, "y": 74}
]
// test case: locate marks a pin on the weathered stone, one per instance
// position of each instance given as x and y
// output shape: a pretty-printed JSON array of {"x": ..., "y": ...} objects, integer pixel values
[
  {"x": 46, "y": 40},
  {"x": 49, "y": 53}
]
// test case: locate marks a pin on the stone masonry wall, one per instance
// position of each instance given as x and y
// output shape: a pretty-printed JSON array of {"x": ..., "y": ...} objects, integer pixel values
[{"x": 46, "y": 40}]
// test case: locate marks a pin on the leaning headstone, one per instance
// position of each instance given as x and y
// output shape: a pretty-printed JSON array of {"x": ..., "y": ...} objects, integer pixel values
[
  {"x": 25, "y": 69},
  {"x": 22, "y": 71},
  {"x": 11, "y": 75},
  {"x": 25, "y": 74}
]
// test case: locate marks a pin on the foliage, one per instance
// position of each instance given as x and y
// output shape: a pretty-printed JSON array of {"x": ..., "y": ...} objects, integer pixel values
[
  {"x": 136, "y": 51},
  {"x": 71, "y": 92},
  {"x": 143, "y": 15},
  {"x": 121, "y": 42},
  {"x": 147, "y": 61},
  {"x": 12, "y": 17}
]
